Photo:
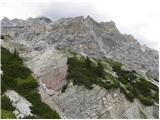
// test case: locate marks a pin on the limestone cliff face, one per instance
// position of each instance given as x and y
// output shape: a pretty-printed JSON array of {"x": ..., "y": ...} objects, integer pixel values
[
  {"x": 78, "y": 102},
  {"x": 41, "y": 43},
  {"x": 84, "y": 35}
]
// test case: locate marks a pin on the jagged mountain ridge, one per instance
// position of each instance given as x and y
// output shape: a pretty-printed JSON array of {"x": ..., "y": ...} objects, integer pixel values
[
  {"x": 88, "y": 36},
  {"x": 39, "y": 43}
]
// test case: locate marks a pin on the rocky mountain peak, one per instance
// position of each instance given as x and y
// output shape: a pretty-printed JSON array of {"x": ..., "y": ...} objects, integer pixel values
[
  {"x": 42, "y": 45},
  {"x": 46, "y": 19},
  {"x": 42, "y": 20},
  {"x": 89, "y": 19},
  {"x": 6, "y": 21},
  {"x": 88, "y": 36},
  {"x": 91, "y": 22}
]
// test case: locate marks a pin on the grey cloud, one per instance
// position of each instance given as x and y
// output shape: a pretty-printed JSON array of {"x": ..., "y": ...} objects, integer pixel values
[
  {"x": 125, "y": 21},
  {"x": 69, "y": 9}
]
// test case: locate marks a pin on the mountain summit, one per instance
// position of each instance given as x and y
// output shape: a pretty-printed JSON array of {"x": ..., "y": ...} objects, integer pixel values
[{"x": 88, "y": 36}]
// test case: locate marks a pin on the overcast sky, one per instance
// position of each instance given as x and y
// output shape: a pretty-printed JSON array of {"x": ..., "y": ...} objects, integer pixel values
[{"x": 141, "y": 18}]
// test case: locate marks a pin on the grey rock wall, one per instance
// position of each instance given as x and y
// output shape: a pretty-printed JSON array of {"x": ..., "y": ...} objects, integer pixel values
[
  {"x": 39, "y": 43},
  {"x": 80, "y": 103}
]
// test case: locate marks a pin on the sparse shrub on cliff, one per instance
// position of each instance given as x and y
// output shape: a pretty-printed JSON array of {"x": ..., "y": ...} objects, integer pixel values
[
  {"x": 113, "y": 63},
  {"x": 88, "y": 62},
  {"x": 156, "y": 96},
  {"x": 18, "y": 77},
  {"x": 146, "y": 101},
  {"x": 6, "y": 104},
  {"x": 149, "y": 84},
  {"x": 5, "y": 114},
  {"x": 130, "y": 96},
  {"x": 86, "y": 73},
  {"x": 64, "y": 88},
  {"x": 143, "y": 89},
  {"x": 15, "y": 53},
  {"x": 99, "y": 69},
  {"x": 40, "y": 108},
  {"x": 7, "y": 108}
]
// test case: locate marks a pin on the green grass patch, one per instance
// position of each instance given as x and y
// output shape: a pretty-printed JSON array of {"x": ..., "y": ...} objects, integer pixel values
[
  {"x": 29, "y": 79},
  {"x": 16, "y": 76},
  {"x": 5, "y": 114},
  {"x": 6, "y": 108},
  {"x": 6, "y": 104}
]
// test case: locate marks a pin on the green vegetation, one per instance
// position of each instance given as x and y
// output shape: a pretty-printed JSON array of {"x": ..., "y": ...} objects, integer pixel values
[
  {"x": 156, "y": 96},
  {"x": 146, "y": 100},
  {"x": 40, "y": 108},
  {"x": 6, "y": 104},
  {"x": 83, "y": 71},
  {"x": 135, "y": 86},
  {"x": 16, "y": 76},
  {"x": 29, "y": 79},
  {"x": 64, "y": 88},
  {"x": 13, "y": 68},
  {"x": 6, "y": 108},
  {"x": 7, "y": 114}
]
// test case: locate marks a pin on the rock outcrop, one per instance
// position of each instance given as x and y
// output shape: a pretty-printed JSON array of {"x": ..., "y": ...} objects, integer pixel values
[
  {"x": 80, "y": 103},
  {"x": 20, "y": 103}
]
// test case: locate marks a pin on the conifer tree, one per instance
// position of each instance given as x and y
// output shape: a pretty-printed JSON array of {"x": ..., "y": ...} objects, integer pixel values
[
  {"x": 100, "y": 69},
  {"x": 88, "y": 62},
  {"x": 16, "y": 54}
]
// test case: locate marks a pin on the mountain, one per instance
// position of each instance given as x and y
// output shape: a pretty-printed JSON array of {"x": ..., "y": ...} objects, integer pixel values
[{"x": 45, "y": 47}]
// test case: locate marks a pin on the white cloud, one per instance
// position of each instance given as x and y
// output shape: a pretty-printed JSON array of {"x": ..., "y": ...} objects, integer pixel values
[{"x": 141, "y": 18}]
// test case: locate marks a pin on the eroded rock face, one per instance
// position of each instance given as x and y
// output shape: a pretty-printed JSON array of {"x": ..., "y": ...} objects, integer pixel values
[
  {"x": 84, "y": 35},
  {"x": 39, "y": 43},
  {"x": 22, "y": 106},
  {"x": 50, "y": 68},
  {"x": 78, "y": 102},
  {"x": 111, "y": 43}
]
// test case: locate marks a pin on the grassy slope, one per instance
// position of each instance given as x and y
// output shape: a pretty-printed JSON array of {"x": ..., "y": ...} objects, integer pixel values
[
  {"x": 83, "y": 71},
  {"x": 6, "y": 108},
  {"x": 16, "y": 76},
  {"x": 7, "y": 114}
]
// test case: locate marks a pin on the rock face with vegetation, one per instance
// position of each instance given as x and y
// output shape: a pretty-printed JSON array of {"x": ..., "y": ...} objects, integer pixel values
[
  {"x": 20, "y": 97},
  {"x": 102, "y": 89},
  {"x": 84, "y": 69}
]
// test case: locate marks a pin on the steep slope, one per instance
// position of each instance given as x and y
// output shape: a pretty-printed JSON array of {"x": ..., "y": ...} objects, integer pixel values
[
  {"x": 90, "y": 94},
  {"x": 42, "y": 45},
  {"x": 19, "y": 90}
]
